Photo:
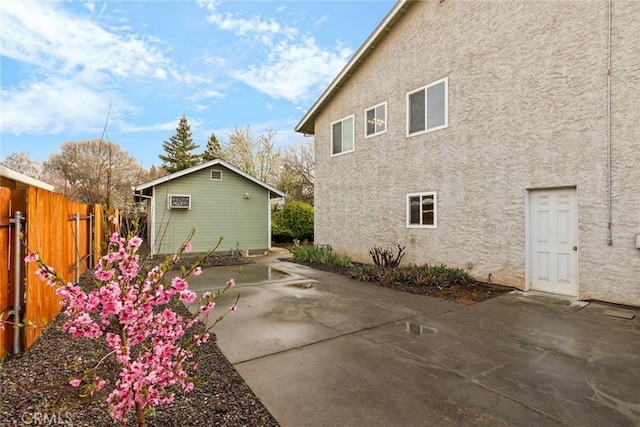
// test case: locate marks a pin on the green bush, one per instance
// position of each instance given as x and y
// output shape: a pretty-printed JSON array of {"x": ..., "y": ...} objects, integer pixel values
[
  {"x": 295, "y": 219},
  {"x": 319, "y": 254}
]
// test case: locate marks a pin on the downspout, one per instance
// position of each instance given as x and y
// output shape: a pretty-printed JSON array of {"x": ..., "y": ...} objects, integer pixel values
[{"x": 609, "y": 191}]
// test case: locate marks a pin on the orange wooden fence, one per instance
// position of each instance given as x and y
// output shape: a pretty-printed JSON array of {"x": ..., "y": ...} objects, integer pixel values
[{"x": 63, "y": 233}]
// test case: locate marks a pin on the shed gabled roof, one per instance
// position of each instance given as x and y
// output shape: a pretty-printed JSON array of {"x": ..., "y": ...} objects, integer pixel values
[
  {"x": 307, "y": 124},
  {"x": 205, "y": 165}
]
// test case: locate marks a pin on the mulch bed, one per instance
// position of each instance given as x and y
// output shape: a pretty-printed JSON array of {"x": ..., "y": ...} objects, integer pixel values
[
  {"x": 35, "y": 389},
  {"x": 463, "y": 294}
]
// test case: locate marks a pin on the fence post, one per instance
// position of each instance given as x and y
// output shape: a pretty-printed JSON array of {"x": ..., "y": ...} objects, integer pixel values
[
  {"x": 91, "y": 240},
  {"x": 77, "y": 247},
  {"x": 17, "y": 271}
]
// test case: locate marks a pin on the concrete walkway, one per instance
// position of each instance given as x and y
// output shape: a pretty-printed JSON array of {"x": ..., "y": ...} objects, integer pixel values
[{"x": 322, "y": 350}]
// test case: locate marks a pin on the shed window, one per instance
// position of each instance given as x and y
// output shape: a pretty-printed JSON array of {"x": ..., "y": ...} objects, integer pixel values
[{"x": 216, "y": 175}]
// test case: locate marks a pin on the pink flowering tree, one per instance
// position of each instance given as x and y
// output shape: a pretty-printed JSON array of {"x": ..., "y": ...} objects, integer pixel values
[{"x": 130, "y": 309}]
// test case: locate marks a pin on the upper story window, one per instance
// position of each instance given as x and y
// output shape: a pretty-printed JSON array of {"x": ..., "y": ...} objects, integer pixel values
[
  {"x": 422, "y": 210},
  {"x": 375, "y": 120},
  {"x": 342, "y": 136},
  {"x": 427, "y": 108}
]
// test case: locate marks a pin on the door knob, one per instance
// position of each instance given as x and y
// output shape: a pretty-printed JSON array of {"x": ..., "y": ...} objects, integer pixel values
[{"x": 575, "y": 248}]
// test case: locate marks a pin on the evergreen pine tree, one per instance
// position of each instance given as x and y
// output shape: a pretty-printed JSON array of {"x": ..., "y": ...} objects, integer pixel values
[
  {"x": 213, "y": 149},
  {"x": 179, "y": 149}
]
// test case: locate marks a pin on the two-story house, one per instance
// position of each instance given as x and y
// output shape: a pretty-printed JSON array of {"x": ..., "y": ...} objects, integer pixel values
[{"x": 498, "y": 136}]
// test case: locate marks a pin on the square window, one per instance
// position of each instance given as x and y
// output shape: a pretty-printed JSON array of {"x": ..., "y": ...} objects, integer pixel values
[
  {"x": 427, "y": 108},
  {"x": 375, "y": 119},
  {"x": 216, "y": 175},
  {"x": 342, "y": 136},
  {"x": 422, "y": 210}
]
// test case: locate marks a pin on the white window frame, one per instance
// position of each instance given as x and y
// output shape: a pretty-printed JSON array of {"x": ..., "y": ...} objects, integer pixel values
[
  {"x": 433, "y": 194},
  {"x": 353, "y": 135},
  {"x": 211, "y": 174},
  {"x": 446, "y": 108},
  {"x": 171, "y": 207},
  {"x": 374, "y": 108}
]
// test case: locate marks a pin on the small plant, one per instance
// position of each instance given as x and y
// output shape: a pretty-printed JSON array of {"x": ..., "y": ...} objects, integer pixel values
[
  {"x": 386, "y": 257},
  {"x": 319, "y": 254},
  {"x": 439, "y": 276},
  {"x": 130, "y": 308}
]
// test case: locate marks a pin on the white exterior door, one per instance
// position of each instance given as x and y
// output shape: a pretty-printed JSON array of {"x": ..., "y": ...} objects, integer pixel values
[{"x": 553, "y": 241}]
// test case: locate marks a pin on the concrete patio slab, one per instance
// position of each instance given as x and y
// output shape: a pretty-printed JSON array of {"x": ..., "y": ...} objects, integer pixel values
[{"x": 350, "y": 353}]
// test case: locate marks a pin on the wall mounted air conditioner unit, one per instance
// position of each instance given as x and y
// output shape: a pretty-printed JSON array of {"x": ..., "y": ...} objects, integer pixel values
[{"x": 179, "y": 201}]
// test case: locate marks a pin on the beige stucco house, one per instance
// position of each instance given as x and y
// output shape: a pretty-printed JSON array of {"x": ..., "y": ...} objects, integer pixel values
[{"x": 498, "y": 136}]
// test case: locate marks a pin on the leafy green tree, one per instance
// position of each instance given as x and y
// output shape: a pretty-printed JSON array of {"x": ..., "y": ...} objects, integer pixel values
[
  {"x": 295, "y": 219},
  {"x": 179, "y": 149},
  {"x": 213, "y": 150}
]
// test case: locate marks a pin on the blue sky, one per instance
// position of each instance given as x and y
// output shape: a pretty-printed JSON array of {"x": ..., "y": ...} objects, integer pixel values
[{"x": 221, "y": 63}]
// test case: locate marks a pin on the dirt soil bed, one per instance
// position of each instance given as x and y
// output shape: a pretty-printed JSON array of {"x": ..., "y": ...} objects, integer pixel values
[
  {"x": 35, "y": 389},
  {"x": 463, "y": 294}
]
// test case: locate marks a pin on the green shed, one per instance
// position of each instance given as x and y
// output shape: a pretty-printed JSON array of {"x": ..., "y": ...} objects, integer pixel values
[{"x": 217, "y": 199}]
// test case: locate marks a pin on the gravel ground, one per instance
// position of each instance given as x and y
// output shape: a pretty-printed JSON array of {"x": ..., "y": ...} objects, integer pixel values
[{"x": 35, "y": 390}]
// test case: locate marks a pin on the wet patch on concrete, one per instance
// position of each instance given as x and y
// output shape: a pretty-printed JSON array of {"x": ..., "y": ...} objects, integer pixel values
[{"x": 302, "y": 285}]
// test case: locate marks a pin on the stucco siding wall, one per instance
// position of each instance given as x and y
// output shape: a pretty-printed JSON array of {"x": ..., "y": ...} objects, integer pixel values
[
  {"x": 527, "y": 110},
  {"x": 218, "y": 208}
]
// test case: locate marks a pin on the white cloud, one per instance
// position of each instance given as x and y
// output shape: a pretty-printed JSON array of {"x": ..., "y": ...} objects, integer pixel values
[
  {"x": 200, "y": 107},
  {"x": 296, "y": 64},
  {"x": 158, "y": 127},
  {"x": 43, "y": 35},
  {"x": 89, "y": 5},
  {"x": 206, "y": 94},
  {"x": 294, "y": 69},
  {"x": 53, "y": 106},
  {"x": 68, "y": 62}
]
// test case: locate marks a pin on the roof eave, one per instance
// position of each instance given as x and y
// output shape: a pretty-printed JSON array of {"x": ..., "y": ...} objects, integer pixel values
[
  {"x": 307, "y": 123},
  {"x": 172, "y": 176}
]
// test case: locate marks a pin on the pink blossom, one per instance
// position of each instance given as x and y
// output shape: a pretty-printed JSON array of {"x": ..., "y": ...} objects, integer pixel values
[
  {"x": 31, "y": 258},
  {"x": 135, "y": 243},
  {"x": 179, "y": 284},
  {"x": 187, "y": 296},
  {"x": 187, "y": 246},
  {"x": 147, "y": 346},
  {"x": 233, "y": 308},
  {"x": 104, "y": 275}
]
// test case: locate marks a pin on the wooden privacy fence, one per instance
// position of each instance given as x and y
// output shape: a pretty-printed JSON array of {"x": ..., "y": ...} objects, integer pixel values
[{"x": 67, "y": 235}]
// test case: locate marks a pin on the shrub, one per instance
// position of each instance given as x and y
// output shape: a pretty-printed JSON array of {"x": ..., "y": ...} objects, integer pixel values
[
  {"x": 386, "y": 257},
  {"x": 280, "y": 234},
  {"x": 319, "y": 254},
  {"x": 295, "y": 219},
  {"x": 440, "y": 276}
]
